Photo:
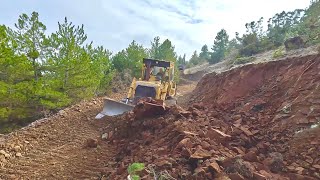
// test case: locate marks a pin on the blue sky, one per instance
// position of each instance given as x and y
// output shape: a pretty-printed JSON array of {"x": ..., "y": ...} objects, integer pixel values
[{"x": 189, "y": 24}]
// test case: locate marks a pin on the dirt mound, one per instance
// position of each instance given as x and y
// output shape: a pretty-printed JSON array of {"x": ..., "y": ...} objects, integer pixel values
[
  {"x": 248, "y": 123},
  {"x": 274, "y": 102},
  {"x": 188, "y": 145}
]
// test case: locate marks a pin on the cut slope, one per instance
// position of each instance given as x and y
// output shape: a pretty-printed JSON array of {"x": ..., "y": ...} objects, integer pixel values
[
  {"x": 276, "y": 101},
  {"x": 287, "y": 88},
  {"x": 251, "y": 122}
]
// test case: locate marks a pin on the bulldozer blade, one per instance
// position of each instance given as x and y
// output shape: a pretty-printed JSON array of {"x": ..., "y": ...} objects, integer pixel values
[
  {"x": 113, "y": 108},
  {"x": 148, "y": 107}
]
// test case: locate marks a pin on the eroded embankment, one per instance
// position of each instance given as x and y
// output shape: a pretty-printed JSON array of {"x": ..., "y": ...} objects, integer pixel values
[{"x": 251, "y": 122}]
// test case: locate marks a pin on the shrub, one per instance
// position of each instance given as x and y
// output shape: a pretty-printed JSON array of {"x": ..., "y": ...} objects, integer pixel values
[
  {"x": 134, "y": 169},
  {"x": 278, "y": 53},
  {"x": 232, "y": 54},
  {"x": 249, "y": 50}
]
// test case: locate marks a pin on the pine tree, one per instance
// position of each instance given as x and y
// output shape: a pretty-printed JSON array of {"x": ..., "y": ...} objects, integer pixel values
[
  {"x": 16, "y": 82},
  {"x": 30, "y": 37},
  {"x": 220, "y": 46},
  {"x": 204, "y": 54}
]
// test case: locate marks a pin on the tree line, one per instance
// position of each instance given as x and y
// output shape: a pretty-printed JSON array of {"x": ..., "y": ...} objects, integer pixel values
[
  {"x": 42, "y": 73},
  {"x": 282, "y": 26}
]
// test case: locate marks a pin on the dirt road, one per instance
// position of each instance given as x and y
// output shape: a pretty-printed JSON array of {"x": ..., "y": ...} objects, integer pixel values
[{"x": 57, "y": 147}]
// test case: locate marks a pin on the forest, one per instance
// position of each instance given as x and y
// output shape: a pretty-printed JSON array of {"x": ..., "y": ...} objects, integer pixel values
[
  {"x": 299, "y": 23},
  {"x": 41, "y": 74}
]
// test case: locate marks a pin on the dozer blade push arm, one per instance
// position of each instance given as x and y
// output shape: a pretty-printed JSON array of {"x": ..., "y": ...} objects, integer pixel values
[
  {"x": 164, "y": 91},
  {"x": 131, "y": 90}
]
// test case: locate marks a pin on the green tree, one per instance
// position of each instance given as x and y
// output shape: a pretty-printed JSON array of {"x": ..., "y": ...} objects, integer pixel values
[
  {"x": 164, "y": 51},
  {"x": 194, "y": 60},
  {"x": 250, "y": 44},
  {"x": 220, "y": 46},
  {"x": 182, "y": 60},
  {"x": 30, "y": 37},
  {"x": 101, "y": 67},
  {"x": 135, "y": 53},
  {"x": 154, "y": 52},
  {"x": 120, "y": 61},
  {"x": 204, "y": 54},
  {"x": 16, "y": 82},
  {"x": 310, "y": 24},
  {"x": 74, "y": 73},
  {"x": 130, "y": 58},
  {"x": 255, "y": 27},
  {"x": 40, "y": 73},
  {"x": 233, "y": 44},
  {"x": 167, "y": 51},
  {"x": 283, "y": 25}
]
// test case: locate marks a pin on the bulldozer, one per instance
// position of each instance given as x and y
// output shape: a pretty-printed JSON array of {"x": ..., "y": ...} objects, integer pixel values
[{"x": 156, "y": 82}]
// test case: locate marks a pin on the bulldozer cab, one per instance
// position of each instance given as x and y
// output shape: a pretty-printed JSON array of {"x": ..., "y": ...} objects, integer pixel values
[{"x": 157, "y": 70}]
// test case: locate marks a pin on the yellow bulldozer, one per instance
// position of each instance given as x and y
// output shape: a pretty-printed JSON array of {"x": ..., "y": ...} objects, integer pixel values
[{"x": 156, "y": 82}]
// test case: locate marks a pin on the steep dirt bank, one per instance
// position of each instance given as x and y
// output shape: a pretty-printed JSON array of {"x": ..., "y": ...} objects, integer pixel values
[
  {"x": 251, "y": 122},
  {"x": 277, "y": 102}
]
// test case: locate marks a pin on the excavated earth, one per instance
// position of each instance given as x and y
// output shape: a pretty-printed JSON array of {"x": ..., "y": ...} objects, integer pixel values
[
  {"x": 259, "y": 121},
  {"x": 254, "y": 122}
]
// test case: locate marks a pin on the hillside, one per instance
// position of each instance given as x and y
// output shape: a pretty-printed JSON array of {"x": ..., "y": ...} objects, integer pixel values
[
  {"x": 229, "y": 63},
  {"x": 243, "y": 106},
  {"x": 257, "y": 121}
]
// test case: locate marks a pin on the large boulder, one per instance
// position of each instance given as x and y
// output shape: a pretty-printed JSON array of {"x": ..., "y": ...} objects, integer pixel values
[{"x": 294, "y": 43}]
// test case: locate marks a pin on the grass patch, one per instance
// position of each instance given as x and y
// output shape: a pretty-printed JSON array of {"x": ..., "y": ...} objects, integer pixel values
[
  {"x": 243, "y": 60},
  {"x": 279, "y": 53}
]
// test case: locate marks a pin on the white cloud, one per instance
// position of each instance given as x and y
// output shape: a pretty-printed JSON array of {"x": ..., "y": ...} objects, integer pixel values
[{"x": 189, "y": 24}]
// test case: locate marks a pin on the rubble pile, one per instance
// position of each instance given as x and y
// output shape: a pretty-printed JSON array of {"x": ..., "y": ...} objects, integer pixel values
[{"x": 255, "y": 122}]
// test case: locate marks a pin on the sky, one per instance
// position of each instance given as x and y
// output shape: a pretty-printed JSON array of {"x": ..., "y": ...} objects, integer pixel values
[{"x": 189, "y": 24}]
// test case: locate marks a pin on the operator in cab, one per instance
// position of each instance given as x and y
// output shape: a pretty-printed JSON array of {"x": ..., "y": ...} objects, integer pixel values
[{"x": 160, "y": 74}]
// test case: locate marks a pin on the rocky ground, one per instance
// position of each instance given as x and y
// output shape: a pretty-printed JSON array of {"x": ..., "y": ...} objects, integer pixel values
[
  {"x": 255, "y": 122},
  {"x": 259, "y": 121},
  {"x": 56, "y": 148},
  {"x": 68, "y": 145}
]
